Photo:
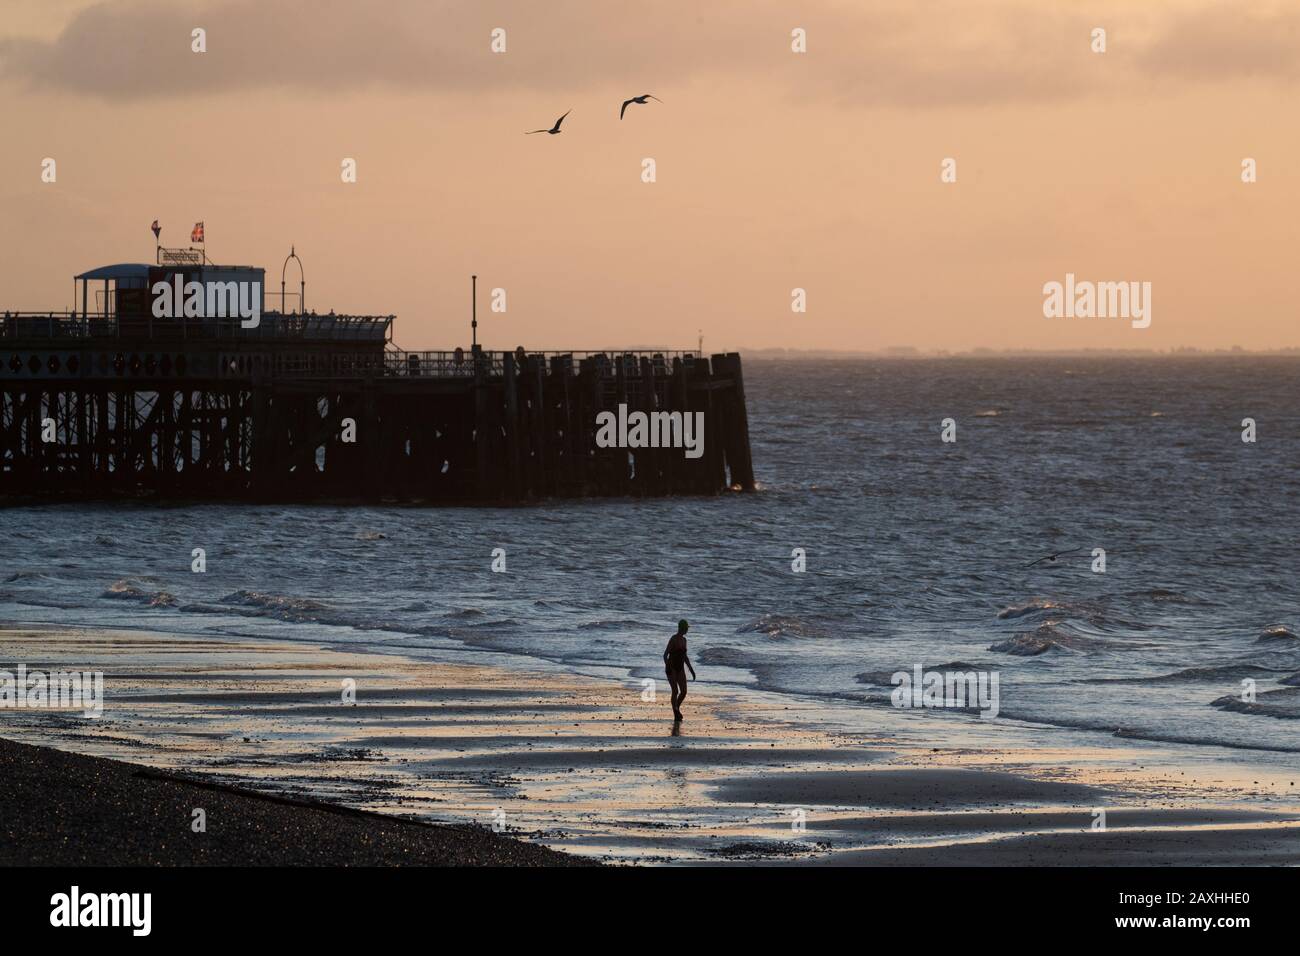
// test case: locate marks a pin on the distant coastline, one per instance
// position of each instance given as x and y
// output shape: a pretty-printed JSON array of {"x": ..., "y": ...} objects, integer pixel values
[
  {"x": 912, "y": 352},
  {"x": 907, "y": 352}
]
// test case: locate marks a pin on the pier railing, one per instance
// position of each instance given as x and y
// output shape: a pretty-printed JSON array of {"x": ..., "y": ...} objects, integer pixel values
[
  {"x": 271, "y": 325},
  {"x": 51, "y": 325},
  {"x": 398, "y": 362},
  {"x": 302, "y": 346}
]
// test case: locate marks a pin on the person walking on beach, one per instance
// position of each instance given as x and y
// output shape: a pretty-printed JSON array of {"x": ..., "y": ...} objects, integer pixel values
[{"x": 676, "y": 664}]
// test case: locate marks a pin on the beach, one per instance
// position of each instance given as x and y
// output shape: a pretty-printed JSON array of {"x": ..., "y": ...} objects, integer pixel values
[
  {"x": 65, "y": 809},
  {"x": 592, "y": 767}
]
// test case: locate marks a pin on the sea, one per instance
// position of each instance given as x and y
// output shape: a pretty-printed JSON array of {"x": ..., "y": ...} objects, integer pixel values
[{"x": 872, "y": 545}]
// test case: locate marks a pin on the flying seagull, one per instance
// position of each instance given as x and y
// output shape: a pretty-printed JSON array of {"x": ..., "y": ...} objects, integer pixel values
[
  {"x": 553, "y": 130},
  {"x": 1051, "y": 558},
  {"x": 638, "y": 99}
]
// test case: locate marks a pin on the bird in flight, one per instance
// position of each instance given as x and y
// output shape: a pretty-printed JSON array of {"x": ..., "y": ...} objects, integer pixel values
[
  {"x": 1051, "y": 558},
  {"x": 553, "y": 130},
  {"x": 638, "y": 99}
]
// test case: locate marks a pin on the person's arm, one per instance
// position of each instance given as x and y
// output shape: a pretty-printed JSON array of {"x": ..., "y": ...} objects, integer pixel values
[
  {"x": 692, "y": 669},
  {"x": 666, "y": 650}
]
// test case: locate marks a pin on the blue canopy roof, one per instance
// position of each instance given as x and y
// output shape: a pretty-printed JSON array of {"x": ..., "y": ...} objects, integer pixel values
[{"x": 123, "y": 270}]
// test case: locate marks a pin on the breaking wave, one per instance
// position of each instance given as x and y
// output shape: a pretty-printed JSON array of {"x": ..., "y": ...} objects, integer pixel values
[
  {"x": 278, "y": 605},
  {"x": 1047, "y": 637},
  {"x": 134, "y": 589},
  {"x": 1277, "y": 634},
  {"x": 1282, "y": 704}
]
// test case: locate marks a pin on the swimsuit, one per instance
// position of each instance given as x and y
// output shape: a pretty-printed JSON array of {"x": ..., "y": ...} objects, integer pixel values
[{"x": 676, "y": 663}]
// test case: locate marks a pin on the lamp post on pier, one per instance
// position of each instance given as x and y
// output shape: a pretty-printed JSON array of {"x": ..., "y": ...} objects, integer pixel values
[{"x": 302, "y": 282}]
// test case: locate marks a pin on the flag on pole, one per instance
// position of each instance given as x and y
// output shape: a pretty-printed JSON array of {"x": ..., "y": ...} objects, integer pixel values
[
  {"x": 156, "y": 230},
  {"x": 196, "y": 234}
]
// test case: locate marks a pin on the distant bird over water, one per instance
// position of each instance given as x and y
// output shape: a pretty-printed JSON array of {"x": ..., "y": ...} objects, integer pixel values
[
  {"x": 553, "y": 130},
  {"x": 638, "y": 99},
  {"x": 1051, "y": 558}
]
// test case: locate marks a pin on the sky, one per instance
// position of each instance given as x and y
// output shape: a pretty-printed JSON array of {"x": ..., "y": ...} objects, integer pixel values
[{"x": 775, "y": 170}]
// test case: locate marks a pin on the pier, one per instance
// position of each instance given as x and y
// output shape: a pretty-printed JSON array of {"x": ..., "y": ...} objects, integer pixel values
[{"x": 112, "y": 401}]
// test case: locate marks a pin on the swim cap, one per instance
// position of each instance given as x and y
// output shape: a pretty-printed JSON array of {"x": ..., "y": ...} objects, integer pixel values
[{"x": 682, "y": 625}]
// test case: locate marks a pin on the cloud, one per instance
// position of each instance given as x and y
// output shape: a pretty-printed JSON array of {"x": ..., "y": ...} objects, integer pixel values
[
  {"x": 142, "y": 49},
  {"x": 899, "y": 53},
  {"x": 1226, "y": 41}
]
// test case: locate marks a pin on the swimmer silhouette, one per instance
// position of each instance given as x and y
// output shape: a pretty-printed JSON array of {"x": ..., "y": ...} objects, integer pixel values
[{"x": 675, "y": 665}]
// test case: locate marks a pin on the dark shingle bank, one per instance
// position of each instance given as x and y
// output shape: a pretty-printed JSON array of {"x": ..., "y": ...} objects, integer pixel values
[{"x": 63, "y": 809}]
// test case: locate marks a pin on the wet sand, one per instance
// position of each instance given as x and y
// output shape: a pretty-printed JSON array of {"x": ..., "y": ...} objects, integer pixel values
[
  {"x": 592, "y": 767},
  {"x": 1182, "y": 846}
]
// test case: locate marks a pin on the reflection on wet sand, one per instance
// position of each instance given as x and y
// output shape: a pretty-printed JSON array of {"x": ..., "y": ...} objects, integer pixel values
[{"x": 584, "y": 765}]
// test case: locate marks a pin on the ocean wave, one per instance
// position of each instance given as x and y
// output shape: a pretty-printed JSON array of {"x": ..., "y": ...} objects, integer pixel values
[
  {"x": 1166, "y": 596},
  {"x": 616, "y": 624},
  {"x": 1068, "y": 423},
  {"x": 123, "y": 587},
  {"x": 39, "y": 602},
  {"x": 781, "y": 625},
  {"x": 886, "y": 678},
  {"x": 1036, "y": 606},
  {"x": 281, "y": 606},
  {"x": 131, "y": 589},
  {"x": 1047, "y": 637},
  {"x": 1283, "y": 704},
  {"x": 465, "y": 614},
  {"x": 28, "y": 576},
  {"x": 1091, "y": 613},
  {"x": 1140, "y": 733},
  {"x": 724, "y": 655},
  {"x": 371, "y": 536},
  {"x": 461, "y": 624},
  {"x": 1191, "y": 675}
]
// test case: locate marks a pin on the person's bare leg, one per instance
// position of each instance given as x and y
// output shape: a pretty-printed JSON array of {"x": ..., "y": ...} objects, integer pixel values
[{"x": 678, "y": 693}]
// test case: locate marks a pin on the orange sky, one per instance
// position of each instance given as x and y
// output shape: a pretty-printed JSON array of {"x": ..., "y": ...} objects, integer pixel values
[{"x": 775, "y": 170}]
